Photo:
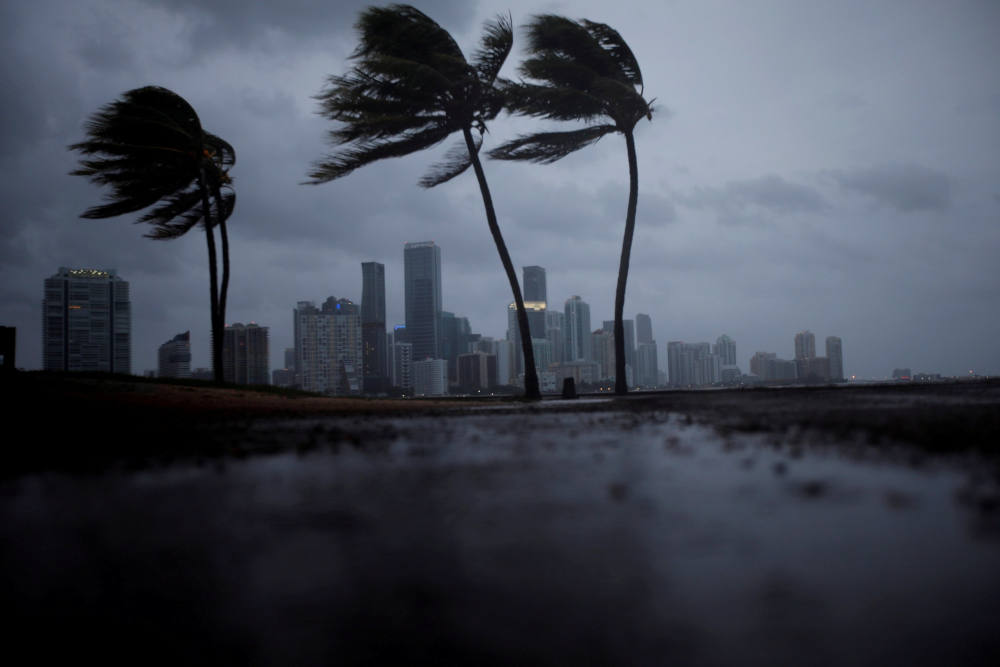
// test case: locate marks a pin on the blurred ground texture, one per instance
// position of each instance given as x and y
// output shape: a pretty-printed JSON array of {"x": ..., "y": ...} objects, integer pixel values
[{"x": 827, "y": 526}]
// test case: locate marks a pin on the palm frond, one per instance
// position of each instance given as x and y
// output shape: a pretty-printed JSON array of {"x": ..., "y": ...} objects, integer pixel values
[
  {"x": 494, "y": 48},
  {"x": 562, "y": 103},
  {"x": 358, "y": 155},
  {"x": 558, "y": 35},
  {"x": 548, "y": 147},
  {"x": 176, "y": 205},
  {"x": 455, "y": 161},
  {"x": 404, "y": 32},
  {"x": 612, "y": 42}
]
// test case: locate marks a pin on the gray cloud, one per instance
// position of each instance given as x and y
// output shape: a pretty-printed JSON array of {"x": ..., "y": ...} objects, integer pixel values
[
  {"x": 754, "y": 199},
  {"x": 905, "y": 187}
]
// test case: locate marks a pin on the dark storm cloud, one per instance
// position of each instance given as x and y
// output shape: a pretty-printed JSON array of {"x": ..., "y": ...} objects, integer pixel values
[
  {"x": 905, "y": 187},
  {"x": 746, "y": 200},
  {"x": 242, "y": 24}
]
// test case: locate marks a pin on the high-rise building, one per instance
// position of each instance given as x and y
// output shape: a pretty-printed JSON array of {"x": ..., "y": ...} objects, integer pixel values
[
  {"x": 245, "y": 356},
  {"x": 175, "y": 357},
  {"x": 477, "y": 370},
  {"x": 86, "y": 322},
  {"x": 725, "y": 347},
  {"x": 643, "y": 329},
  {"x": 554, "y": 325},
  {"x": 835, "y": 353},
  {"x": 422, "y": 283},
  {"x": 455, "y": 336},
  {"x": 692, "y": 364},
  {"x": 328, "y": 347},
  {"x": 602, "y": 346},
  {"x": 375, "y": 361},
  {"x": 646, "y": 372},
  {"x": 577, "y": 331},
  {"x": 629, "y": 327},
  {"x": 430, "y": 377},
  {"x": 805, "y": 345},
  {"x": 535, "y": 310},
  {"x": 402, "y": 366},
  {"x": 534, "y": 285}
]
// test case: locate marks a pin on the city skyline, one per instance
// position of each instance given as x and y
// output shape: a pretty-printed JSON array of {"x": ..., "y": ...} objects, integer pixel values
[{"x": 793, "y": 175}]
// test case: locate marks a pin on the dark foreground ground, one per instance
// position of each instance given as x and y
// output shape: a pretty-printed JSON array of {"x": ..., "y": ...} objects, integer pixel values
[{"x": 821, "y": 526}]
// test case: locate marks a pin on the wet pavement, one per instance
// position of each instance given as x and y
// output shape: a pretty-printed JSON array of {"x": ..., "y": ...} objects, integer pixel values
[{"x": 609, "y": 533}]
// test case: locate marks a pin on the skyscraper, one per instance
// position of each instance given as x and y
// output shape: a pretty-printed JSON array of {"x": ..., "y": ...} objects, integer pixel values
[
  {"x": 643, "y": 329},
  {"x": 245, "y": 354},
  {"x": 835, "y": 353},
  {"x": 175, "y": 357},
  {"x": 629, "y": 328},
  {"x": 725, "y": 347},
  {"x": 328, "y": 346},
  {"x": 805, "y": 345},
  {"x": 578, "y": 333},
  {"x": 86, "y": 322},
  {"x": 375, "y": 360},
  {"x": 422, "y": 283},
  {"x": 534, "y": 285}
]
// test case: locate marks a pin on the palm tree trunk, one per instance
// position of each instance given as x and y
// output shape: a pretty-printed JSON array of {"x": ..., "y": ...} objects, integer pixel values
[
  {"x": 621, "y": 381},
  {"x": 224, "y": 287},
  {"x": 206, "y": 209},
  {"x": 531, "y": 389}
]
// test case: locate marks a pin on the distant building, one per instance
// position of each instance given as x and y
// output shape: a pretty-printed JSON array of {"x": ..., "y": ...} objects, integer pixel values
[
  {"x": 86, "y": 322},
  {"x": 805, "y": 345},
  {"x": 646, "y": 372},
  {"x": 692, "y": 364},
  {"x": 402, "y": 366},
  {"x": 602, "y": 346},
  {"x": 536, "y": 312},
  {"x": 534, "y": 285},
  {"x": 422, "y": 283},
  {"x": 374, "y": 352},
  {"x": 430, "y": 377},
  {"x": 283, "y": 377},
  {"x": 901, "y": 374},
  {"x": 175, "y": 357},
  {"x": 477, "y": 371},
  {"x": 835, "y": 353},
  {"x": 725, "y": 347},
  {"x": 628, "y": 327},
  {"x": 577, "y": 331},
  {"x": 554, "y": 327},
  {"x": 245, "y": 354},
  {"x": 328, "y": 347},
  {"x": 643, "y": 329}
]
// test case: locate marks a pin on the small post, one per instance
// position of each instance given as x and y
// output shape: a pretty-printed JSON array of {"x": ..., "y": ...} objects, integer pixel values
[{"x": 569, "y": 388}]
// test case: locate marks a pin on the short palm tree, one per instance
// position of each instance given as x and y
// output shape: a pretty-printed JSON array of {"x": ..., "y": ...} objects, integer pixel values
[
  {"x": 584, "y": 72},
  {"x": 411, "y": 88},
  {"x": 150, "y": 149}
]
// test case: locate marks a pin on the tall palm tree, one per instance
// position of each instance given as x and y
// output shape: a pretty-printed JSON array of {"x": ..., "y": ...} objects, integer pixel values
[
  {"x": 150, "y": 149},
  {"x": 411, "y": 87},
  {"x": 582, "y": 71}
]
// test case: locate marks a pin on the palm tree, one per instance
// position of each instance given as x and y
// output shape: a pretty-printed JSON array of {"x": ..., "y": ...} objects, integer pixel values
[
  {"x": 411, "y": 88},
  {"x": 150, "y": 149},
  {"x": 585, "y": 72}
]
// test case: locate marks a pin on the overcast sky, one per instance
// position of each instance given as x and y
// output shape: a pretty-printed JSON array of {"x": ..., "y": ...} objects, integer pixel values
[{"x": 831, "y": 166}]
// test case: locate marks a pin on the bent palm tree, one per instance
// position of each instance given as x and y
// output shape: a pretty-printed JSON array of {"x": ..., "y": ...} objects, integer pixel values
[
  {"x": 410, "y": 89},
  {"x": 150, "y": 148},
  {"x": 586, "y": 72}
]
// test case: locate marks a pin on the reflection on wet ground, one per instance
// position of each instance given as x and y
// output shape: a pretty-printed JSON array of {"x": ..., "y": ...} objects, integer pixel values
[{"x": 557, "y": 537}]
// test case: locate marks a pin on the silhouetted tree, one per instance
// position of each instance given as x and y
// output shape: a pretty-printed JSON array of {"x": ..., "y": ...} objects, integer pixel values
[
  {"x": 584, "y": 72},
  {"x": 411, "y": 87},
  {"x": 150, "y": 149}
]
